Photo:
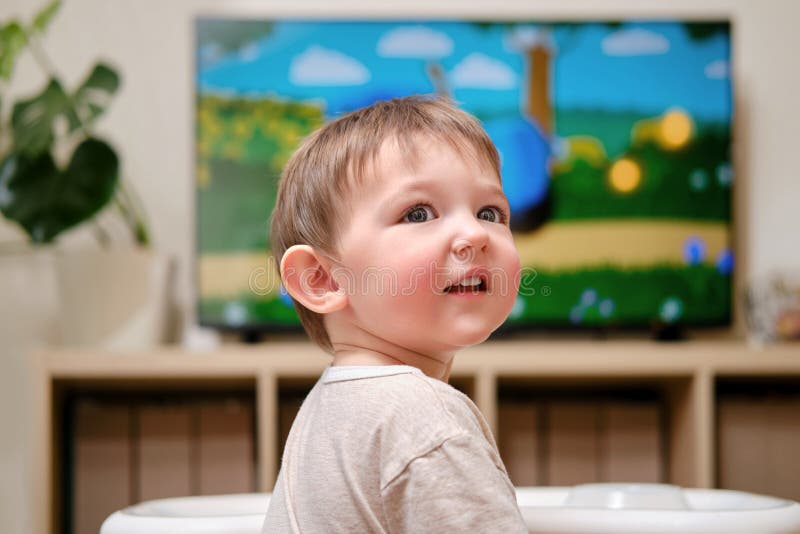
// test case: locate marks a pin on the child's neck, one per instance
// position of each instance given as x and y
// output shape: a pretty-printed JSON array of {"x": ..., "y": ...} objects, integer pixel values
[{"x": 355, "y": 354}]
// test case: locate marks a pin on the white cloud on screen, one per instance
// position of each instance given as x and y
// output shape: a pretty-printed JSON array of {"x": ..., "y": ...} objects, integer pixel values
[
  {"x": 479, "y": 71},
  {"x": 528, "y": 37},
  {"x": 718, "y": 70},
  {"x": 415, "y": 42},
  {"x": 635, "y": 42},
  {"x": 325, "y": 67},
  {"x": 249, "y": 52}
]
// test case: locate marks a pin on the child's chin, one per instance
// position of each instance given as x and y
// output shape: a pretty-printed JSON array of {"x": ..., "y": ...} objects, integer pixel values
[
  {"x": 469, "y": 337},
  {"x": 476, "y": 341}
]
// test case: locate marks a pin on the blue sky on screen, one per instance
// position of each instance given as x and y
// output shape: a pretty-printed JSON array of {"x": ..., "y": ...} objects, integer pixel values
[{"x": 645, "y": 67}]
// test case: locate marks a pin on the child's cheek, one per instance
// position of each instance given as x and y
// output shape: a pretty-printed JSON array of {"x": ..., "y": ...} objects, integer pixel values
[
  {"x": 415, "y": 282},
  {"x": 415, "y": 273},
  {"x": 516, "y": 275},
  {"x": 513, "y": 277}
]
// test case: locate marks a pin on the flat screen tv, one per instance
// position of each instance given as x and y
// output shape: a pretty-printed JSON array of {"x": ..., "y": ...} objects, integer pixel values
[{"x": 615, "y": 139}]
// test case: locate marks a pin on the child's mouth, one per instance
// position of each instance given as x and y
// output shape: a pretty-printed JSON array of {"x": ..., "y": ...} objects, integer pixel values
[{"x": 472, "y": 285}]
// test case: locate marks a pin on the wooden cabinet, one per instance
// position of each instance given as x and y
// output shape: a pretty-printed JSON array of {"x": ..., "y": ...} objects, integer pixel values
[{"x": 679, "y": 379}]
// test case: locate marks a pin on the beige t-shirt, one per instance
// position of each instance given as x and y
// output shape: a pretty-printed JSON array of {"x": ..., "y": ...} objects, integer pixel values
[{"x": 388, "y": 449}]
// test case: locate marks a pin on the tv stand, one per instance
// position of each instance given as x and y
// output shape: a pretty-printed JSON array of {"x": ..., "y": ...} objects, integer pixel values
[
  {"x": 698, "y": 383},
  {"x": 251, "y": 337},
  {"x": 669, "y": 333}
]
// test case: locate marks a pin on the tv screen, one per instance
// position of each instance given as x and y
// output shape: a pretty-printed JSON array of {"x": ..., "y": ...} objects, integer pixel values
[{"x": 615, "y": 141}]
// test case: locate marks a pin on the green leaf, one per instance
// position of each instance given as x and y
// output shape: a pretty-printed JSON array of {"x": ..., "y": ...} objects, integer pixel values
[
  {"x": 12, "y": 42},
  {"x": 46, "y": 200},
  {"x": 43, "y": 18},
  {"x": 93, "y": 96},
  {"x": 32, "y": 120}
]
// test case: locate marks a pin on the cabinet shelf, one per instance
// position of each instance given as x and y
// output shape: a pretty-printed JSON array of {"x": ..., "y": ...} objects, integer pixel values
[{"x": 683, "y": 376}]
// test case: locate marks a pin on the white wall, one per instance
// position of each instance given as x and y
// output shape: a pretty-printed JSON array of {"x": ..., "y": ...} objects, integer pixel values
[{"x": 150, "y": 122}]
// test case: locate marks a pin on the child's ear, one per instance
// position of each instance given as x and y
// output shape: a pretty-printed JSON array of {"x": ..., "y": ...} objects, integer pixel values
[{"x": 306, "y": 276}]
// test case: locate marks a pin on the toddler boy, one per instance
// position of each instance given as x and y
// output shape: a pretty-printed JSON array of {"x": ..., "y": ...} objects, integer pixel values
[{"x": 392, "y": 238}]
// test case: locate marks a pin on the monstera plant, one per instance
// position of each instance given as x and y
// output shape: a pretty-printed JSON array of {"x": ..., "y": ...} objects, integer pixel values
[{"x": 55, "y": 172}]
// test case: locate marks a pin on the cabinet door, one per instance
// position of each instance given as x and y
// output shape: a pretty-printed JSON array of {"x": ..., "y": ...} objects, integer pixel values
[
  {"x": 225, "y": 448},
  {"x": 101, "y": 458}
]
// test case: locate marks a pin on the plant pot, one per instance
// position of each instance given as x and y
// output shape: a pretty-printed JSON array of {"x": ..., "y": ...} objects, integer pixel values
[
  {"x": 28, "y": 298},
  {"x": 115, "y": 298}
]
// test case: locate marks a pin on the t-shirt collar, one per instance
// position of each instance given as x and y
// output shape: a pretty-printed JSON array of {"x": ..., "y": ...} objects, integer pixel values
[{"x": 355, "y": 372}]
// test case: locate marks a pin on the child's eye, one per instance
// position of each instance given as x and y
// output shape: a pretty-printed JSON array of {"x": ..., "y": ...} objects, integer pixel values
[
  {"x": 419, "y": 214},
  {"x": 492, "y": 214}
]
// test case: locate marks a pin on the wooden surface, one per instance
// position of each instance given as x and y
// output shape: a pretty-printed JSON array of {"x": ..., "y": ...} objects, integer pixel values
[
  {"x": 547, "y": 358},
  {"x": 686, "y": 371}
]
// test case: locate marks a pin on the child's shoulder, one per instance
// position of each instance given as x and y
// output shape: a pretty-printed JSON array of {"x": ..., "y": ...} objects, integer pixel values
[
  {"x": 403, "y": 398},
  {"x": 417, "y": 414},
  {"x": 403, "y": 389},
  {"x": 396, "y": 414},
  {"x": 414, "y": 400}
]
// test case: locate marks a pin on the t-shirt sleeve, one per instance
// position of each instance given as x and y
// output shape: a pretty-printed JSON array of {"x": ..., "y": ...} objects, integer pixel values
[{"x": 456, "y": 487}]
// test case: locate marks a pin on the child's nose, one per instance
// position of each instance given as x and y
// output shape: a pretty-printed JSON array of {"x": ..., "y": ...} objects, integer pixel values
[{"x": 470, "y": 238}]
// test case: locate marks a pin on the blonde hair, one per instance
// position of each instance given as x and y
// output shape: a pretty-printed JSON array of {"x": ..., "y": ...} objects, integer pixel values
[{"x": 339, "y": 155}]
